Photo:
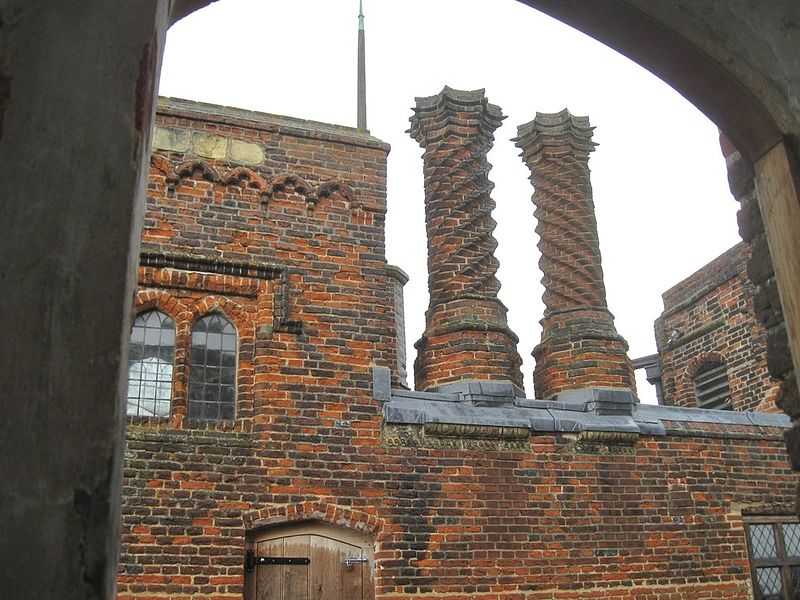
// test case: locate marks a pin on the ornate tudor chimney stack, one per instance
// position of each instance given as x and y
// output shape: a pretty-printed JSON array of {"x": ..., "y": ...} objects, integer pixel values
[
  {"x": 466, "y": 337},
  {"x": 580, "y": 347}
]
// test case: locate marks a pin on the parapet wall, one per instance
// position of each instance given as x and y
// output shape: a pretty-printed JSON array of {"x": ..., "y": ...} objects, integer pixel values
[{"x": 525, "y": 499}]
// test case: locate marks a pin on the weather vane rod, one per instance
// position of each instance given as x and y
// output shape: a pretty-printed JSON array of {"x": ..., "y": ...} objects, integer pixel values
[{"x": 361, "y": 114}]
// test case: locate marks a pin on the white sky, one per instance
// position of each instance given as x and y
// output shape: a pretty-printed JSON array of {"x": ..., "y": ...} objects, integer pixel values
[{"x": 660, "y": 190}]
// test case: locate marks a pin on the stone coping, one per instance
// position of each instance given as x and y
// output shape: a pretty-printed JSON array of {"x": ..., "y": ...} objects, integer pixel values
[
  {"x": 606, "y": 410},
  {"x": 397, "y": 274},
  {"x": 723, "y": 268},
  {"x": 228, "y": 115}
]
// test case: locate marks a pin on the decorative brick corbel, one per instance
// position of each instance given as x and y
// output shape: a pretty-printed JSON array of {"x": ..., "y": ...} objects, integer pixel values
[
  {"x": 245, "y": 178},
  {"x": 190, "y": 167}
]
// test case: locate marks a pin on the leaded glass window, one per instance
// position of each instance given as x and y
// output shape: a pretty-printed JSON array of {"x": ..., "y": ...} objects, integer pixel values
[
  {"x": 774, "y": 546},
  {"x": 150, "y": 359},
  {"x": 212, "y": 369}
]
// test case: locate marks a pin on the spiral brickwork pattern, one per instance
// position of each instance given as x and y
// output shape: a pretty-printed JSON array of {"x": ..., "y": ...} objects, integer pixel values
[
  {"x": 466, "y": 334},
  {"x": 556, "y": 148},
  {"x": 580, "y": 346},
  {"x": 456, "y": 129}
]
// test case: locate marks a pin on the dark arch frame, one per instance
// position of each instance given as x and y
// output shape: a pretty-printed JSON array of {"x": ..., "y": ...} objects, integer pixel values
[
  {"x": 69, "y": 187},
  {"x": 678, "y": 62}
]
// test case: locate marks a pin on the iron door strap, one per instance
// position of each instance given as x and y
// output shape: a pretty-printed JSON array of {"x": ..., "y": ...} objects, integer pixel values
[{"x": 252, "y": 561}]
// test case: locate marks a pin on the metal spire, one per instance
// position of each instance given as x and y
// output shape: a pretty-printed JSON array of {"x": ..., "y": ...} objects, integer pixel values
[{"x": 361, "y": 115}]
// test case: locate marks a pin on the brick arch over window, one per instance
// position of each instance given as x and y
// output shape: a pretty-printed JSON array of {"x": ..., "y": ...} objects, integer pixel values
[
  {"x": 697, "y": 389},
  {"x": 698, "y": 362},
  {"x": 331, "y": 514},
  {"x": 174, "y": 307},
  {"x": 234, "y": 311}
]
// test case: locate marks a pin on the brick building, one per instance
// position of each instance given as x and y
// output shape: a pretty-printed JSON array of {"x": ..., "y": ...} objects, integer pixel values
[
  {"x": 711, "y": 347},
  {"x": 274, "y": 452}
]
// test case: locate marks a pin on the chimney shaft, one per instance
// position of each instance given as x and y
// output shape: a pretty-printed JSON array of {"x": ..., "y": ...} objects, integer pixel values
[
  {"x": 580, "y": 347},
  {"x": 466, "y": 335}
]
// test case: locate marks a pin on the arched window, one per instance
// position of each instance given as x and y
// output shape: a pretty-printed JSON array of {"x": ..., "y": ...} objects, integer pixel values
[
  {"x": 150, "y": 359},
  {"x": 212, "y": 369},
  {"x": 711, "y": 386}
]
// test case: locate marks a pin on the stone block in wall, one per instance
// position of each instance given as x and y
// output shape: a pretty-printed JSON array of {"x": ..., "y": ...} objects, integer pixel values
[
  {"x": 170, "y": 139},
  {"x": 740, "y": 173},
  {"x": 749, "y": 218},
  {"x": 246, "y": 153},
  {"x": 210, "y": 146}
]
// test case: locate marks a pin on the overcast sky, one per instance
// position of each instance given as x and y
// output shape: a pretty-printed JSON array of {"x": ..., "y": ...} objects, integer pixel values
[{"x": 660, "y": 190}]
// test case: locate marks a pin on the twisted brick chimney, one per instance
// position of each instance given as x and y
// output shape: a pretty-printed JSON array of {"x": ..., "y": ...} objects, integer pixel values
[
  {"x": 580, "y": 347},
  {"x": 466, "y": 337}
]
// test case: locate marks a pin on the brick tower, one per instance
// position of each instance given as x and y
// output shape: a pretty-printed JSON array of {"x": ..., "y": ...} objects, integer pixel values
[
  {"x": 466, "y": 337},
  {"x": 580, "y": 347}
]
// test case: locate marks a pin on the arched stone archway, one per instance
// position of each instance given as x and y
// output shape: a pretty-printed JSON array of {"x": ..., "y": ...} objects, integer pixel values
[{"x": 73, "y": 159}]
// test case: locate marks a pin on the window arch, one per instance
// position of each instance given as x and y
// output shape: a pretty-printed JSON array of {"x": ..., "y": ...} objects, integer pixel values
[
  {"x": 150, "y": 365},
  {"x": 212, "y": 369},
  {"x": 711, "y": 386}
]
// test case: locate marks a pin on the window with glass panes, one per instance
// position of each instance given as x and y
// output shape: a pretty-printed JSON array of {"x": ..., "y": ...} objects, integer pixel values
[
  {"x": 151, "y": 355},
  {"x": 774, "y": 547},
  {"x": 212, "y": 369}
]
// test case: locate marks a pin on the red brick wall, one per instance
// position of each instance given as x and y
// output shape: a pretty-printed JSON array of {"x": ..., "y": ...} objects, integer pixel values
[
  {"x": 300, "y": 272},
  {"x": 546, "y": 522},
  {"x": 712, "y": 316}
]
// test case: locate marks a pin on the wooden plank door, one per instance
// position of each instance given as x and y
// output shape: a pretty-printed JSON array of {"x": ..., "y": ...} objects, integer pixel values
[
  {"x": 328, "y": 576},
  {"x": 295, "y": 577},
  {"x": 269, "y": 585}
]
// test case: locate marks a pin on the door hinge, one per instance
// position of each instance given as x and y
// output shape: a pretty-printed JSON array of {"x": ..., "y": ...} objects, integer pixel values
[{"x": 251, "y": 561}]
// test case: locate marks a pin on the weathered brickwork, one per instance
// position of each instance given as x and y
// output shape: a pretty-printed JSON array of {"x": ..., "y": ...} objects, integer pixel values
[
  {"x": 580, "y": 346},
  {"x": 466, "y": 331},
  {"x": 662, "y": 522},
  {"x": 291, "y": 251},
  {"x": 400, "y": 278},
  {"x": 709, "y": 318},
  {"x": 277, "y": 224}
]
